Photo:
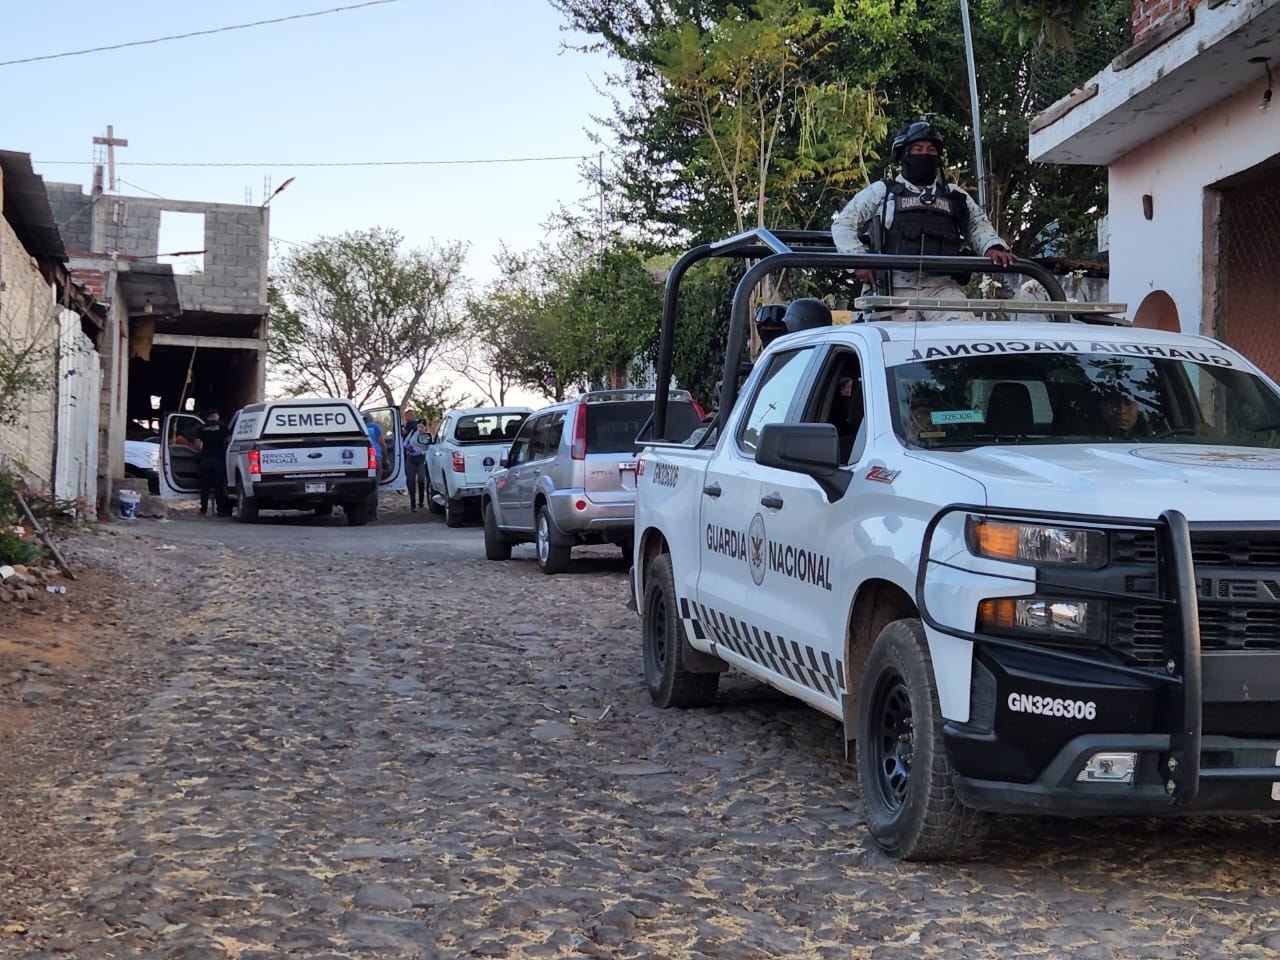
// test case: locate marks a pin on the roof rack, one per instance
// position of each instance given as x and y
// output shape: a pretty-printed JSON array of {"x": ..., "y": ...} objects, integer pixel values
[
  {"x": 776, "y": 250},
  {"x": 1002, "y": 307},
  {"x": 632, "y": 393}
]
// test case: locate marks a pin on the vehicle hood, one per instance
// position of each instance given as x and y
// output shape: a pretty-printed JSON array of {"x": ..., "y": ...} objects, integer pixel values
[
  {"x": 142, "y": 454},
  {"x": 1124, "y": 480}
]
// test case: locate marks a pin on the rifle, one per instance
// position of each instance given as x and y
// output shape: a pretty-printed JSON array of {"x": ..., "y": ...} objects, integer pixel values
[{"x": 875, "y": 234}]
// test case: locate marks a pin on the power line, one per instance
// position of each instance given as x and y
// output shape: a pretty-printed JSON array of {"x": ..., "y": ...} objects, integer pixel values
[
  {"x": 327, "y": 163},
  {"x": 196, "y": 33},
  {"x": 136, "y": 187}
]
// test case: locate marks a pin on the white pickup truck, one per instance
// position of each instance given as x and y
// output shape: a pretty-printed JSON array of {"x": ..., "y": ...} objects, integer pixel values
[
  {"x": 1029, "y": 566},
  {"x": 299, "y": 453}
]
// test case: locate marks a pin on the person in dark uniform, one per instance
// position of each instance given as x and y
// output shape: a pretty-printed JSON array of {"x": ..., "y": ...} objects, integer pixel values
[{"x": 211, "y": 444}]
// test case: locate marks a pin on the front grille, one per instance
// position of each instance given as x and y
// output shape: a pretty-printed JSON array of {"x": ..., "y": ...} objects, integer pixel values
[
  {"x": 1250, "y": 550},
  {"x": 1238, "y": 585}
]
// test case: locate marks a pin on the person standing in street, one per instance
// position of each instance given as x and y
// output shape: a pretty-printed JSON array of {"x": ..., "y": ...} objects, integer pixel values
[
  {"x": 211, "y": 444},
  {"x": 409, "y": 425},
  {"x": 415, "y": 464}
]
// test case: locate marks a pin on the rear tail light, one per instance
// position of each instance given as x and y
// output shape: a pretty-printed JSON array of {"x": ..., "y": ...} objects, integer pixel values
[
  {"x": 373, "y": 458},
  {"x": 459, "y": 462},
  {"x": 255, "y": 463},
  {"x": 697, "y": 408},
  {"x": 579, "y": 449}
]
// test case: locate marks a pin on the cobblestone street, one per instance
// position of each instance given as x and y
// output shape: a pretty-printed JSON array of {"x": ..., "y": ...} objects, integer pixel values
[{"x": 393, "y": 752}]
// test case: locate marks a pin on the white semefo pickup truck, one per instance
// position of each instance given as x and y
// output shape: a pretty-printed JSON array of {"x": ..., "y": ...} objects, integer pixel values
[
  {"x": 1029, "y": 566},
  {"x": 302, "y": 453}
]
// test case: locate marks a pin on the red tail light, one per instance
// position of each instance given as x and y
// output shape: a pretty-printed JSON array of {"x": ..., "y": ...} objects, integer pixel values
[
  {"x": 697, "y": 408},
  {"x": 579, "y": 449},
  {"x": 373, "y": 458},
  {"x": 255, "y": 463},
  {"x": 459, "y": 462}
]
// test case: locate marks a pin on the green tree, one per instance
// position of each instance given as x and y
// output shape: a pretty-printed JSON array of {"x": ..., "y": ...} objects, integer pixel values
[
  {"x": 518, "y": 319},
  {"x": 433, "y": 401},
  {"x": 356, "y": 316},
  {"x": 563, "y": 316},
  {"x": 908, "y": 54},
  {"x": 492, "y": 355},
  {"x": 609, "y": 306},
  {"x": 732, "y": 118}
]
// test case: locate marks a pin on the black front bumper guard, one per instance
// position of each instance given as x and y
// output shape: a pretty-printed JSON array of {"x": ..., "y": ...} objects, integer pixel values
[{"x": 1183, "y": 671}]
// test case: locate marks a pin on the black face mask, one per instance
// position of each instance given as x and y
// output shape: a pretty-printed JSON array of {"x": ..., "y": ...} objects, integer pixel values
[{"x": 920, "y": 168}]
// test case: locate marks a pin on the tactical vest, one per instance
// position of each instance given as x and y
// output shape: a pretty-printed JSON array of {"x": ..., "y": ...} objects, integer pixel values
[{"x": 930, "y": 224}]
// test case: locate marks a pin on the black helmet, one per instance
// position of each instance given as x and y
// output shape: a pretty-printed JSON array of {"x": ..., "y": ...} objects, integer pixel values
[
  {"x": 769, "y": 322},
  {"x": 920, "y": 130},
  {"x": 807, "y": 313},
  {"x": 768, "y": 314}
]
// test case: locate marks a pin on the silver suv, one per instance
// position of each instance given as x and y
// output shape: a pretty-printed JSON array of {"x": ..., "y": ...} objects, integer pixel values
[{"x": 570, "y": 475}]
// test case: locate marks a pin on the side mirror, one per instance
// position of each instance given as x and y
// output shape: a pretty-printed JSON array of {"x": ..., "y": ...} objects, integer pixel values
[{"x": 812, "y": 449}]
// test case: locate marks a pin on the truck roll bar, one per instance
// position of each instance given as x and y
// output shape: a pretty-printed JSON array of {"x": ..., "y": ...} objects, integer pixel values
[{"x": 776, "y": 250}]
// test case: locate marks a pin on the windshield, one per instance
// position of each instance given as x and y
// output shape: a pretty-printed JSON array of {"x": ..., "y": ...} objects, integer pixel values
[
  {"x": 612, "y": 426},
  {"x": 1176, "y": 396},
  {"x": 488, "y": 427}
]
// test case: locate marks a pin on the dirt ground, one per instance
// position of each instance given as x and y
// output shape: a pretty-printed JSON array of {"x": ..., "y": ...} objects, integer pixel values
[{"x": 71, "y": 667}]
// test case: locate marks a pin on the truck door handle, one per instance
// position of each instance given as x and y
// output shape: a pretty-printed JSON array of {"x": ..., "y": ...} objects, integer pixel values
[
  {"x": 772, "y": 501},
  {"x": 712, "y": 489}
]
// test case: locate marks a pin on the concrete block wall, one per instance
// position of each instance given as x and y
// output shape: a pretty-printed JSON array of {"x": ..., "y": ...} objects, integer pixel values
[
  {"x": 73, "y": 212},
  {"x": 29, "y": 318},
  {"x": 236, "y": 243}
]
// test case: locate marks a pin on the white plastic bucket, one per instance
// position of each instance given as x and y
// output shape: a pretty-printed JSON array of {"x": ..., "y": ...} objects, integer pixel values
[{"x": 129, "y": 504}]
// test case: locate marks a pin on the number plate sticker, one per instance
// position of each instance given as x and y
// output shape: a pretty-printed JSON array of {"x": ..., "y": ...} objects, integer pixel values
[{"x": 314, "y": 487}]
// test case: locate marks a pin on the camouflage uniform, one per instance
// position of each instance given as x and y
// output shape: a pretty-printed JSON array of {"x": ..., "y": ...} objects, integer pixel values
[{"x": 868, "y": 203}]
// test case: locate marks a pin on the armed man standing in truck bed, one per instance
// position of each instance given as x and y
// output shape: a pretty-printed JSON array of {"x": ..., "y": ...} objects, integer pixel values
[{"x": 917, "y": 212}]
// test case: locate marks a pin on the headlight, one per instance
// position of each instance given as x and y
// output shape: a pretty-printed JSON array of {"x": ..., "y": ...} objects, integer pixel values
[
  {"x": 1037, "y": 543},
  {"x": 1046, "y": 618}
]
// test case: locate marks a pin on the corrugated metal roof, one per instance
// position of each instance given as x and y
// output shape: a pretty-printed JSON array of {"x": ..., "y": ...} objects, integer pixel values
[{"x": 26, "y": 207}]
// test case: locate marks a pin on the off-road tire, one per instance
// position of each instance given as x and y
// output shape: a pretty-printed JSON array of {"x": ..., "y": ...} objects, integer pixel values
[
  {"x": 662, "y": 641},
  {"x": 906, "y": 779},
  {"x": 552, "y": 557},
  {"x": 496, "y": 546},
  {"x": 455, "y": 514},
  {"x": 246, "y": 510},
  {"x": 357, "y": 512}
]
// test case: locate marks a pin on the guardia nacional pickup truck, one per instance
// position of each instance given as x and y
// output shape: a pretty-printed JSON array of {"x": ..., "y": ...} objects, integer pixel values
[{"x": 1030, "y": 566}]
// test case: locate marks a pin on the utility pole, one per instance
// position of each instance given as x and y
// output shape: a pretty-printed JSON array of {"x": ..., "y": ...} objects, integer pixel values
[
  {"x": 111, "y": 142},
  {"x": 973, "y": 103}
]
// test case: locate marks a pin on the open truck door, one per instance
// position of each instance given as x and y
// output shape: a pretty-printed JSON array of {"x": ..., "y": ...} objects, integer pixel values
[
  {"x": 391, "y": 457},
  {"x": 179, "y": 459}
]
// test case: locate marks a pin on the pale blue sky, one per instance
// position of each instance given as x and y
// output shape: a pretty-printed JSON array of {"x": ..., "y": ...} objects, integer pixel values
[{"x": 432, "y": 80}]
